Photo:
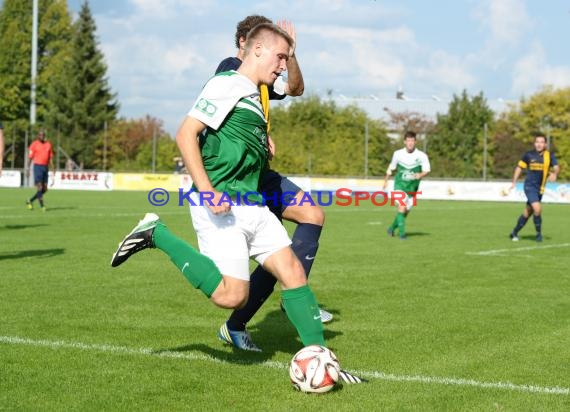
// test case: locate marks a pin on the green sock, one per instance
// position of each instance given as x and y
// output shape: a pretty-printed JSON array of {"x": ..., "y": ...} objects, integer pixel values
[
  {"x": 394, "y": 223},
  {"x": 198, "y": 269},
  {"x": 303, "y": 312},
  {"x": 401, "y": 218}
]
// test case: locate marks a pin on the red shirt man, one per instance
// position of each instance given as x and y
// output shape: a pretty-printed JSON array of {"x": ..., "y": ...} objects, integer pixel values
[{"x": 41, "y": 153}]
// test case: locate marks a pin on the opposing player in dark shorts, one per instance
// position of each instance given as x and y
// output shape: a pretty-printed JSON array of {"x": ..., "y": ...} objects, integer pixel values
[{"x": 540, "y": 165}]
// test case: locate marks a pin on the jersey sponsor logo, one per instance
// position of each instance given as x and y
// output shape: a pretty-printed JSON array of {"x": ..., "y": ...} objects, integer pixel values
[
  {"x": 206, "y": 107},
  {"x": 261, "y": 136},
  {"x": 409, "y": 175}
]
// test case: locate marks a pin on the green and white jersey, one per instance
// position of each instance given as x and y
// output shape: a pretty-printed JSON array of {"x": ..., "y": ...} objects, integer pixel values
[
  {"x": 406, "y": 165},
  {"x": 234, "y": 146}
]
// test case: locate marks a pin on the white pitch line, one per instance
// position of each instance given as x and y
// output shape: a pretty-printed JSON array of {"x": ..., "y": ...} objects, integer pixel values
[
  {"x": 517, "y": 249},
  {"x": 466, "y": 382},
  {"x": 86, "y": 215},
  {"x": 15, "y": 340}
]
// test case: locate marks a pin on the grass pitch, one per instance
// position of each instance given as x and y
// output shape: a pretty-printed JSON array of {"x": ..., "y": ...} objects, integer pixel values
[{"x": 456, "y": 318}]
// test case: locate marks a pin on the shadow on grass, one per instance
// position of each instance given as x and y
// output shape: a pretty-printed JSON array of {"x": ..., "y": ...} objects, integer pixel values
[
  {"x": 43, "y": 253},
  {"x": 533, "y": 238},
  {"x": 273, "y": 334},
  {"x": 19, "y": 227},
  {"x": 418, "y": 234}
]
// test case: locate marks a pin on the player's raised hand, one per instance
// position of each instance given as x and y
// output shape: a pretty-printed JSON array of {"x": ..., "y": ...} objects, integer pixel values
[{"x": 290, "y": 30}]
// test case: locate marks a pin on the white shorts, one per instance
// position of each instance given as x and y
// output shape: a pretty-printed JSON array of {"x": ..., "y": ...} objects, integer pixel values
[
  {"x": 409, "y": 202},
  {"x": 231, "y": 239},
  {"x": 397, "y": 197}
]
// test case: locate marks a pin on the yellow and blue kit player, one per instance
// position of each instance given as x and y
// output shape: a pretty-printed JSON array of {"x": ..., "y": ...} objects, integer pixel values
[{"x": 540, "y": 165}]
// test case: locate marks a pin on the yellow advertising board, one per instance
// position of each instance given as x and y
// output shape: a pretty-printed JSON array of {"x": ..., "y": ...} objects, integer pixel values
[{"x": 133, "y": 181}]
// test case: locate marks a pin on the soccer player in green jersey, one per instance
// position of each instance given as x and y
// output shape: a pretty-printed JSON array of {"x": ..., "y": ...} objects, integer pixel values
[
  {"x": 223, "y": 141},
  {"x": 410, "y": 165}
]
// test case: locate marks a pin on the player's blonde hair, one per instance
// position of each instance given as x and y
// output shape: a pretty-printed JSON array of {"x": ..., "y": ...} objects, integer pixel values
[{"x": 260, "y": 32}]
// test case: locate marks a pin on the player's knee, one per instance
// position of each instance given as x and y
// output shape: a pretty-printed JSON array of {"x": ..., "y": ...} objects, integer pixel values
[
  {"x": 297, "y": 274},
  {"x": 317, "y": 216},
  {"x": 305, "y": 213},
  {"x": 229, "y": 301}
]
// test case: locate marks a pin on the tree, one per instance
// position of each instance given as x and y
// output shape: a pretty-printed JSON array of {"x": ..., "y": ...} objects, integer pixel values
[
  {"x": 129, "y": 146},
  {"x": 54, "y": 31},
  {"x": 166, "y": 151},
  {"x": 507, "y": 148},
  {"x": 401, "y": 122},
  {"x": 547, "y": 111},
  {"x": 82, "y": 97},
  {"x": 317, "y": 137},
  {"x": 15, "y": 44},
  {"x": 456, "y": 149}
]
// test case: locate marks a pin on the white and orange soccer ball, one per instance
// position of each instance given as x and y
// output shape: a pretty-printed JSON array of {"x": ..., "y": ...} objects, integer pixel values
[{"x": 314, "y": 369}]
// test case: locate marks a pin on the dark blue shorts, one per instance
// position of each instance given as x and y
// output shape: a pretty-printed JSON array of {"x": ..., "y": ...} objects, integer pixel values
[
  {"x": 40, "y": 174},
  {"x": 532, "y": 196},
  {"x": 277, "y": 190}
]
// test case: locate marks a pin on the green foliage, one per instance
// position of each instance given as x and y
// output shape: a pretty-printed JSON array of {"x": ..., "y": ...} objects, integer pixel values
[
  {"x": 54, "y": 38},
  {"x": 166, "y": 151},
  {"x": 82, "y": 98},
  {"x": 73, "y": 98},
  {"x": 129, "y": 146},
  {"x": 507, "y": 149},
  {"x": 316, "y": 137},
  {"x": 15, "y": 34},
  {"x": 547, "y": 111},
  {"x": 457, "y": 145}
]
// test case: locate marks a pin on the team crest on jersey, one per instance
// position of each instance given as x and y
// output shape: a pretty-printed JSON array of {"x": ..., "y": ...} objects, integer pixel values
[
  {"x": 206, "y": 107},
  {"x": 261, "y": 136}
]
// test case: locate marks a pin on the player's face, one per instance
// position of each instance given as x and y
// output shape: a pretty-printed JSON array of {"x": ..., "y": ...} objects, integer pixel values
[
  {"x": 410, "y": 144},
  {"x": 540, "y": 144},
  {"x": 276, "y": 54}
]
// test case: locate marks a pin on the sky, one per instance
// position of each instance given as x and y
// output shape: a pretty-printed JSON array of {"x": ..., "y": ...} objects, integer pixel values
[{"x": 160, "y": 53}]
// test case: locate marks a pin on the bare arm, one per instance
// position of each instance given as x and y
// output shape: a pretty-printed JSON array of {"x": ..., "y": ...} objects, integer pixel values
[
  {"x": 387, "y": 178},
  {"x": 51, "y": 163},
  {"x": 295, "y": 85},
  {"x": 187, "y": 141},
  {"x": 554, "y": 173},
  {"x": 516, "y": 176}
]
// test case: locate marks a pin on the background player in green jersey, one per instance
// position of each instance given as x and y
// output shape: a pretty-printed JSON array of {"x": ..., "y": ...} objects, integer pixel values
[{"x": 410, "y": 165}]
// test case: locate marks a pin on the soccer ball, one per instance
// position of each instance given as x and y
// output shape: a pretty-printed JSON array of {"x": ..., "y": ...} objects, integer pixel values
[{"x": 314, "y": 369}]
